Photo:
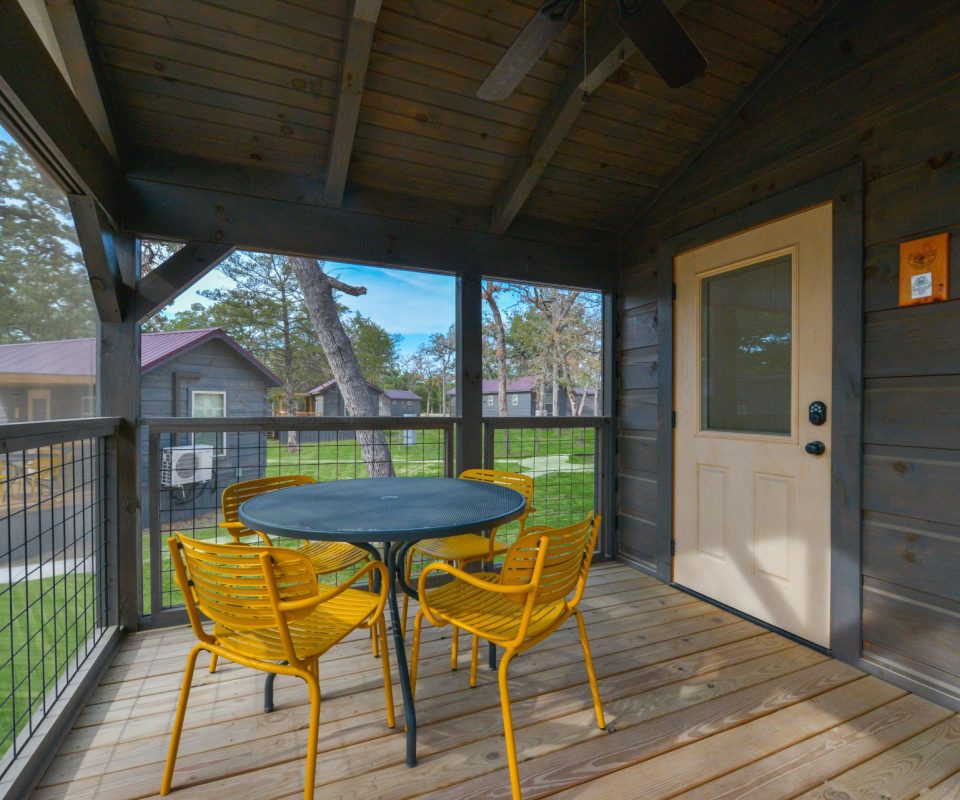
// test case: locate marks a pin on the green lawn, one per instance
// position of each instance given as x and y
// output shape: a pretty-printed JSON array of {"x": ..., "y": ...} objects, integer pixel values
[
  {"x": 560, "y": 461},
  {"x": 43, "y": 624}
]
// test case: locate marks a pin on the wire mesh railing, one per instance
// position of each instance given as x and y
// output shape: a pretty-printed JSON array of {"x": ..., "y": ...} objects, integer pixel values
[
  {"x": 563, "y": 455},
  {"x": 54, "y": 566},
  {"x": 191, "y": 460}
]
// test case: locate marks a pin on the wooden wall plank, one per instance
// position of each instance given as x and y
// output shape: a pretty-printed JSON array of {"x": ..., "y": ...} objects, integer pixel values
[
  {"x": 912, "y": 482},
  {"x": 913, "y": 412}
]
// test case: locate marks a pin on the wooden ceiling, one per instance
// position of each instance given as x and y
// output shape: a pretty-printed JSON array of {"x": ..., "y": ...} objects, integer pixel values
[{"x": 257, "y": 84}]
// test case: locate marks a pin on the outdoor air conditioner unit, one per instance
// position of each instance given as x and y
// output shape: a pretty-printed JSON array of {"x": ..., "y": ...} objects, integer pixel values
[{"x": 192, "y": 463}]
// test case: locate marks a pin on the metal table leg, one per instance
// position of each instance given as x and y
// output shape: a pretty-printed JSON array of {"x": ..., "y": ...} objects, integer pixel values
[{"x": 394, "y": 559}]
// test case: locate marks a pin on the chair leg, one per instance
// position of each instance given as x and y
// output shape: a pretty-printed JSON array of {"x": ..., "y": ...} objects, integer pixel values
[
  {"x": 314, "y": 686},
  {"x": 455, "y": 638},
  {"x": 474, "y": 652},
  {"x": 591, "y": 674},
  {"x": 375, "y": 642},
  {"x": 178, "y": 720},
  {"x": 407, "y": 577},
  {"x": 415, "y": 655},
  {"x": 508, "y": 725},
  {"x": 381, "y": 629},
  {"x": 213, "y": 663}
]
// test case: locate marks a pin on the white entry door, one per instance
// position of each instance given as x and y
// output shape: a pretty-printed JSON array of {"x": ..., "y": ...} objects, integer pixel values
[{"x": 753, "y": 323}]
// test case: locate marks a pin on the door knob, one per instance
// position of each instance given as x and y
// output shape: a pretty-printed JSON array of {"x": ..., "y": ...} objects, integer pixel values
[{"x": 815, "y": 448}]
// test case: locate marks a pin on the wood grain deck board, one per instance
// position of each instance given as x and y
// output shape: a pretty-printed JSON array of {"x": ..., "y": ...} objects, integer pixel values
[{"x": 699, "y": 704}]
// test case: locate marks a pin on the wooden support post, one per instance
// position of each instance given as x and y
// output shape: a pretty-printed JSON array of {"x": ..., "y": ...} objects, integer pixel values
[
  {"x": 608, "y": 443},
  {"x": 100, "y": 256},
  {"x": 119, "y": 391},
  {"x": 175, "y": 275},
  {"x": 358, "y": 41},
  {"x": 469, "y": 372}
]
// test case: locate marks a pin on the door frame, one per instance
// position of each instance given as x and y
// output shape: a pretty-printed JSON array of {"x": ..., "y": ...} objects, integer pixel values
[{"x": 844, "y": 188}]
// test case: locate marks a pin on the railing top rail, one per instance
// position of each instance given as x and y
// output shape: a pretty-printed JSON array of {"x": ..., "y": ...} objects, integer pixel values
[
  {"x": 17, "y": 436},
  {"x": 545, "y": 422},
  {"x": 254, "y": 424}
]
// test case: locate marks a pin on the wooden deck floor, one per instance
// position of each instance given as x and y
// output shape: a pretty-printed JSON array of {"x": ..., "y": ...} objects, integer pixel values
[{"x": 699, "y": 704}]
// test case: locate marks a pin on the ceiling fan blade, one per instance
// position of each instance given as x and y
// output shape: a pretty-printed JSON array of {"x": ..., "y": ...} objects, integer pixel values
[
  {"x": 652, "y": 27},
  {"x": 527, "y": 48}
]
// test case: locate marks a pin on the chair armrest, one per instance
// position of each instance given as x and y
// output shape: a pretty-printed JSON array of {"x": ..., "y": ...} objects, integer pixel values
[
  {"x": 236, "y": 525},
  {"x": 466, "y": 577},
  {"x": 316, "y": 600}
]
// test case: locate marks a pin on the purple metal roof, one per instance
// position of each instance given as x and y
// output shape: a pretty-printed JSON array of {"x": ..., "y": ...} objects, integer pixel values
[
  {"x": 78, "y": 356},
  {"x": 401, "y": 394},
  {"x": 323, "y": 386},
  {"x": 64, "y": 357},
  {"x": 525, "y": 383}
]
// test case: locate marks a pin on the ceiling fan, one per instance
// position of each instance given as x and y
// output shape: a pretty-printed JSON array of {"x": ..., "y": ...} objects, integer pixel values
[{"x": 649, "y": 24}]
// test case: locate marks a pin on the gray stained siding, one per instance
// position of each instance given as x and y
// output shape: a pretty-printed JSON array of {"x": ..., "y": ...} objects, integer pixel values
[
  {"x": 526, "y": 406},
  {"x": 213, "y": 366},
  {"x": 878, "y": 82}
]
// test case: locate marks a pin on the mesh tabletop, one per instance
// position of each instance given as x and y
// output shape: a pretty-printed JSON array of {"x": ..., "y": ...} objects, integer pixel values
[{"x": 382, "y": 509}]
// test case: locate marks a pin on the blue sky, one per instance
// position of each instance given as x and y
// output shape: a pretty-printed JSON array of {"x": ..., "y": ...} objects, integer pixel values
[{"x": 412, "y": 304}]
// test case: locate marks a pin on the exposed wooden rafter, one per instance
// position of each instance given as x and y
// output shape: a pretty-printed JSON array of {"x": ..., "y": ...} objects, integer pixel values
[
  {"x": 42, "y": 112},
  {"x": 797, "y": 37},
  {"x": 607, "y": 49},
  {"x": 100, "y": 256},
  {"x": 177, "y": 274},
  {"x": 358, "y": 40},
  {"x": 70, "y": 30}
]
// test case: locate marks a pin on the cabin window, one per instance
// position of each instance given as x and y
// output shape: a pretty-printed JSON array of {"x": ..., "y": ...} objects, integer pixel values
[
  {"x": 515, "y": 399},
  {"x": 490, "y": 400},
  {"x": 210, "y": 404},
  {"x": 88, "y": 406}
]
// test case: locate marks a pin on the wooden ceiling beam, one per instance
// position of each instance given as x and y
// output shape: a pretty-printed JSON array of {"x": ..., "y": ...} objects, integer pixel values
[
  {"x": 72, "y": 33},
  {"x": 391, "y": 231},
  {"x": 177, "y": 274},
  {"x": 97, "y": 244},
  {"x": 358, "y": 42},
  {"x": 41, "y": 111},
  {"x": 607, "y": 48},
  {"x": 800, "y": 33}
]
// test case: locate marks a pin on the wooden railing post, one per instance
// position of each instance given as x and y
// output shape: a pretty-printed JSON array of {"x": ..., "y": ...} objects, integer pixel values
[
  {"x": 118, "y": 354},
  {"x": 469, "y": 372}
]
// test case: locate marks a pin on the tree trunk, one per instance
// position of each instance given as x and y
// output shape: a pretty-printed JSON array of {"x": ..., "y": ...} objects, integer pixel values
[
  {"x": 317, "y": 289},
  {"x": 489, "y": 290},
  {"x": 293, "y": 437}
]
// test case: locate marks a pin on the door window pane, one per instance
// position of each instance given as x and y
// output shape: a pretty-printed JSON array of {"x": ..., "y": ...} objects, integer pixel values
[{"x": 746, "y": 349}]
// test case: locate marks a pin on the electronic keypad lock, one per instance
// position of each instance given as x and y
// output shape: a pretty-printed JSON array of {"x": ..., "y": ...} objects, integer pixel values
[{"x": 817, "y": 413}]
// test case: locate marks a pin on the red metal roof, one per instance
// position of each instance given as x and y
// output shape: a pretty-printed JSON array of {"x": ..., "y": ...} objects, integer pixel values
[{"x": 78, "y": 356}]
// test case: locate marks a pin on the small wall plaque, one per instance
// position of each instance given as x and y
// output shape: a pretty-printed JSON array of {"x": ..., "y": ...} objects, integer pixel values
[{"x": 924, "y": 269}]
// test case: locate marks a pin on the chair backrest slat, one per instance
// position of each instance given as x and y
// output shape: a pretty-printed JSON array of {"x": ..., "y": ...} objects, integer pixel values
[
  {"x": 565, "y": 566},
  {"x": 228, "y": 582},
  {"x": 512, "y": 480},
  {"x": 235, "y": 495}
]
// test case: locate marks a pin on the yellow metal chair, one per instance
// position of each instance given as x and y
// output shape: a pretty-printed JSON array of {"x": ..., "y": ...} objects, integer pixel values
[
  {"x": 517, "y": 608},
  {"x": 468, "y": 547},
  {"x": 268, "y": 609},
  {"x": 326, "y": 557}
]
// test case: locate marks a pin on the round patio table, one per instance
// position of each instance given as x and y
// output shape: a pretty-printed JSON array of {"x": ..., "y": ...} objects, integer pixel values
[{"x": 397, "y": 512}]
